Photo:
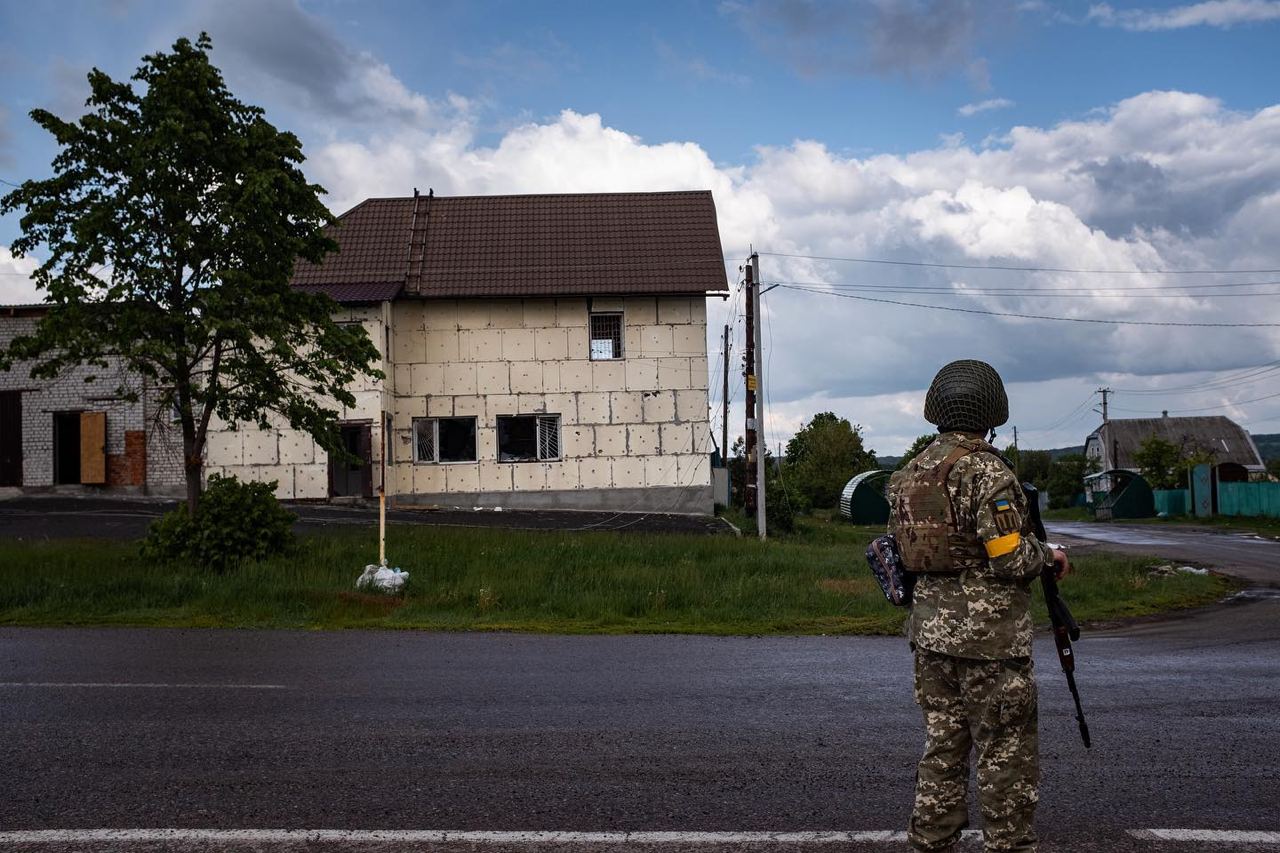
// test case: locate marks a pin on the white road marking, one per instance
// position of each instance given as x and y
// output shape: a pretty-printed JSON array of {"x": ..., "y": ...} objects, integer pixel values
[
  {"x": 142, "y": 684},
  {"x": 437, "y": 836},
  {"x": 550, "y": 838},
  {"x": 1208, "y": 836}
]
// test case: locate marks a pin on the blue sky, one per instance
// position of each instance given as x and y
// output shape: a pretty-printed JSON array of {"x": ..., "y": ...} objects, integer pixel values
[{"x": 1071, "y": 135}]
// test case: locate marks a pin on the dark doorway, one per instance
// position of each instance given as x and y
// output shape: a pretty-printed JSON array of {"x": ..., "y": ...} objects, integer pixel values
[
  {"x": 66, "y": 448},
  {"x": 353, "y": 479},
  {"x": 10, "y": 438}
]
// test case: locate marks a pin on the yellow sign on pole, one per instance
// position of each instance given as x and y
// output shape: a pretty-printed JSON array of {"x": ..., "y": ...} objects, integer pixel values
[{"x": 751, "y": 382}]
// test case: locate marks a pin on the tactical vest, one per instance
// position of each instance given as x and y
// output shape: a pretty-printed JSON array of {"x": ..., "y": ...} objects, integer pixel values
[{"x": 923, "y": 521}]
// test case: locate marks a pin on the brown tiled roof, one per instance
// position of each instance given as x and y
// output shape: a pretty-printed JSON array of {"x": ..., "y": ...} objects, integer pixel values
[
  {"x": 529, "y": 245},
  {"x": 374, "y": 241},
  {"x": 1228, "y": 441},
  {"x": 354, "y": 294}
]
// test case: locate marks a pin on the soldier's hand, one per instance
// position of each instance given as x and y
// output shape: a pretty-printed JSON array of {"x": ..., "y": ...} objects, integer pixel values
[{"x": 1061, "y": 564}]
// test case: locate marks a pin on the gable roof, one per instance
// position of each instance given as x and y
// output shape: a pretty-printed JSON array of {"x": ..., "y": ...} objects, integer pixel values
[
  {"x": 1229, "y": 441},
  {"x": 527, "y": 245}
]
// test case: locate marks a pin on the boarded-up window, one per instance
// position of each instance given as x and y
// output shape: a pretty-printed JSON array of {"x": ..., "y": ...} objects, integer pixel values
[
  {"x": 444, "y": 440},
  {"x": 528, "y": 438},
  {"x": 606, "y": 336}
]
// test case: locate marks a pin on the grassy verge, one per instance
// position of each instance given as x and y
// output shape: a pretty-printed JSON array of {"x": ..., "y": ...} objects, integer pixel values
[{"x": 812, "y": 582}]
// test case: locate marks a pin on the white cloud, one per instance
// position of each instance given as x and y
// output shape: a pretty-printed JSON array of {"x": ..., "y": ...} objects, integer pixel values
[
  {"x": 984, "y": 106},
  {"x": 1212, "y": 13},
  {"x": 16, "y": 286},
  {"x": 1161, "y": 180}
]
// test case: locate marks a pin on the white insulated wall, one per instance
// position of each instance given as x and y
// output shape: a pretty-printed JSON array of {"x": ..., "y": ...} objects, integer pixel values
[
  {"x": 291, "y": 458},
  {"x": 640, "y": 421},
  {"x": 636, "y": 422}
]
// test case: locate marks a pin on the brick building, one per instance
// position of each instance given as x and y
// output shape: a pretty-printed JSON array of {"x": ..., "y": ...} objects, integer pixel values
[{"x": 68, "y": 434}]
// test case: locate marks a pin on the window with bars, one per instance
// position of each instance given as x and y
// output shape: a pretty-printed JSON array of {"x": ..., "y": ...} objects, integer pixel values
[
  {"x": 528, "y": 438},
  {"x": 606, "y": 336},
  {"x": 444, "y": 439}
]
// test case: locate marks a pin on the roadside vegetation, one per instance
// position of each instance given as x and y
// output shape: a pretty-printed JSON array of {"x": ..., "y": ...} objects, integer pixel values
[{"x": 813, "y": 581}]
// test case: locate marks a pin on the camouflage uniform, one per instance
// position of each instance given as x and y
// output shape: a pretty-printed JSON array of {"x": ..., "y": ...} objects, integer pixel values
[{"x": 971, "y": 633}]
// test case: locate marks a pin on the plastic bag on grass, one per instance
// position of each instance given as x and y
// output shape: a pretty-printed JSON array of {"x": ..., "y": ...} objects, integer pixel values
[{"x": 382, "y": 579}]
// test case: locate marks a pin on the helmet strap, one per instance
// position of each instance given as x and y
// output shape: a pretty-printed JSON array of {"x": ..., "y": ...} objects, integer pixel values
[{"x": 991, "y": 439}]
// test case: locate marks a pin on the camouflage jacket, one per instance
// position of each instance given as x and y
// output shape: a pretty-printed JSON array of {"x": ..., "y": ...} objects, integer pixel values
[{"x": 982, "y": 611}]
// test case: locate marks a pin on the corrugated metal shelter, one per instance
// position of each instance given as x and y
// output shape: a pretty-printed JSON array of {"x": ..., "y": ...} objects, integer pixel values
[{"x": 862, "y": 500}]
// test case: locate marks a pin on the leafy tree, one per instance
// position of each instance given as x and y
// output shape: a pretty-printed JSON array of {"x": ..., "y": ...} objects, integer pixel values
[
  {"x": 823, "y": 456},
  {"x": 1066, "y": 478},
  {"x": 1165, "y": 464},
  {"x": 172, "y": 223},
  {"x": 1032, "y": 466},
  {"x": 737, "y": 463},
  {"x": 1160, "y": 461},
  {"x": 916, "y": 448},
  {"x": 1273, "y": 467}
]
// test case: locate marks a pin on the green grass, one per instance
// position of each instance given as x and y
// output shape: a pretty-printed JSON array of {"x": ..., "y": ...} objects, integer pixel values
[{"x": 813, "y": 582}]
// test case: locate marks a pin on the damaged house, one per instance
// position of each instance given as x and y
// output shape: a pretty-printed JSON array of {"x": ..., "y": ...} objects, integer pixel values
[{"x": 539, "y": 351}]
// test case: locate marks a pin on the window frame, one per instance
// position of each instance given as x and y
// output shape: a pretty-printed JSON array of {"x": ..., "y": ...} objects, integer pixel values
[
  {"x": 539, "y": 418},
  {"x": 620, "y": 353},
  {"x": 435, "y": 440}
]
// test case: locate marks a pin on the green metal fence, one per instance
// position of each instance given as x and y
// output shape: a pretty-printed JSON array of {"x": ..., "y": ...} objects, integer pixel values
[
  {"x": 1172, "y": 501},
  {"x": 1249, "y": 499}
]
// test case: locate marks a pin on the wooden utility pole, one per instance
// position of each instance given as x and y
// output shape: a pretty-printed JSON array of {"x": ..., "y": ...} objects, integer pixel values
[
  {"x": 1017, "y": 455},
  {"x": 762, "y": 490},
  {"x": 749, "y": 407},
  {"x": 724, "y": 403}
]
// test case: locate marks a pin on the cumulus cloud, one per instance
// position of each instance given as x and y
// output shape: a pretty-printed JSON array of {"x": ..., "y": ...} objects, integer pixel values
[
  {"x": 1212, "y": 13},
  {"x": 16, "y": 285},
  {"x": 284, "y": 47},
  {"x": 1161, "y": 180},
  {"x": 889, "y": 37},
  {"x": 984, "y": 106}
]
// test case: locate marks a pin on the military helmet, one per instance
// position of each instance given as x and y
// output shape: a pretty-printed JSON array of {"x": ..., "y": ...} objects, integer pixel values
[{"x": 967, "y": 396}]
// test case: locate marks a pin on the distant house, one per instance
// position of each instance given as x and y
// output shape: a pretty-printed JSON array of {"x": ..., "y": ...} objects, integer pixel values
[
  {"x": 1114, "y": 444},
  {"x": 539, "y": 351}
]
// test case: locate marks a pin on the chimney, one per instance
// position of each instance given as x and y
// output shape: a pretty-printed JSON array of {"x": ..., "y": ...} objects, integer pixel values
[{"x": 1165, "y": 413}]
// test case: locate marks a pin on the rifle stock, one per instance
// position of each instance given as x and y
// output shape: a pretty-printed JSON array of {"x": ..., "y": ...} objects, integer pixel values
[{"x": 1065, "y": 628}]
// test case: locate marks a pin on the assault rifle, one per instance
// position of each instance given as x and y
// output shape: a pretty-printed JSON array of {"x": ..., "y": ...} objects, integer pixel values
[{"x": 1065, "y": 628}]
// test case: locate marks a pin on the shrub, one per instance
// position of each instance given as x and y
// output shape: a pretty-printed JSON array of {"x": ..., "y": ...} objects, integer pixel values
[{"x": 236, "y": 522}]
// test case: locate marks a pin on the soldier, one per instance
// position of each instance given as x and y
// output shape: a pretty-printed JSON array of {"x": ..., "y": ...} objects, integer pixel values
[{"x": 960, "y": 519}]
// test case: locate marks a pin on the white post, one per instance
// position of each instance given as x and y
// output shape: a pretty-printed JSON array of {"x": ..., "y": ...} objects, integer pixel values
[{"x": 382, "y": 490}]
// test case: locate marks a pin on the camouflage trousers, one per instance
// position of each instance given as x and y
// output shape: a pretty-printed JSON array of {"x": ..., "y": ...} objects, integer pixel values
[{"x": 988, "y": 706}]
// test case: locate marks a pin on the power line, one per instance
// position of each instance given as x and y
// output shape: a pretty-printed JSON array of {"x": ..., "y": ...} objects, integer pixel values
[
  {"x": 935, "y": 265},
  {"x": 1030, "y": 316},
  {"x": 1246, "y": 377},
  {"x": 1203, "y": 408},
  {"x": 1073, "y": 291}
]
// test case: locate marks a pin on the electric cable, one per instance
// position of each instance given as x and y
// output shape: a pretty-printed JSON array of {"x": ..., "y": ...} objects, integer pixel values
[
  {"x": 936, "y": 265},
  {"x": 1032, "y": 316}
]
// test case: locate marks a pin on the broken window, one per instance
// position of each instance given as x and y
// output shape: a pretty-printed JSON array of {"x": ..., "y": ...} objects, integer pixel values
[
  {"x": 528, "y": 438},
  {"x": 606, "y": 336},
  {"x": 444, "y": 439}
]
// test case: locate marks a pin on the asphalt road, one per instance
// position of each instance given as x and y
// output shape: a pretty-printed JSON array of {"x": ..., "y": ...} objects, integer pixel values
[
  {"x": 81, "y": 517},
  {"x": 125, "y": 728},
  {"x": 1245, "y": 555}
]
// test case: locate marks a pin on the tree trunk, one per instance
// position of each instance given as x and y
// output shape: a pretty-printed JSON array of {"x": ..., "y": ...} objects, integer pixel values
[{"x": 193, "y": 468}]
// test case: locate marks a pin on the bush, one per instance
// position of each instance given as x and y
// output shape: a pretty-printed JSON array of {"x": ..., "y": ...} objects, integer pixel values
[{"x": 236, "y": 522}]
